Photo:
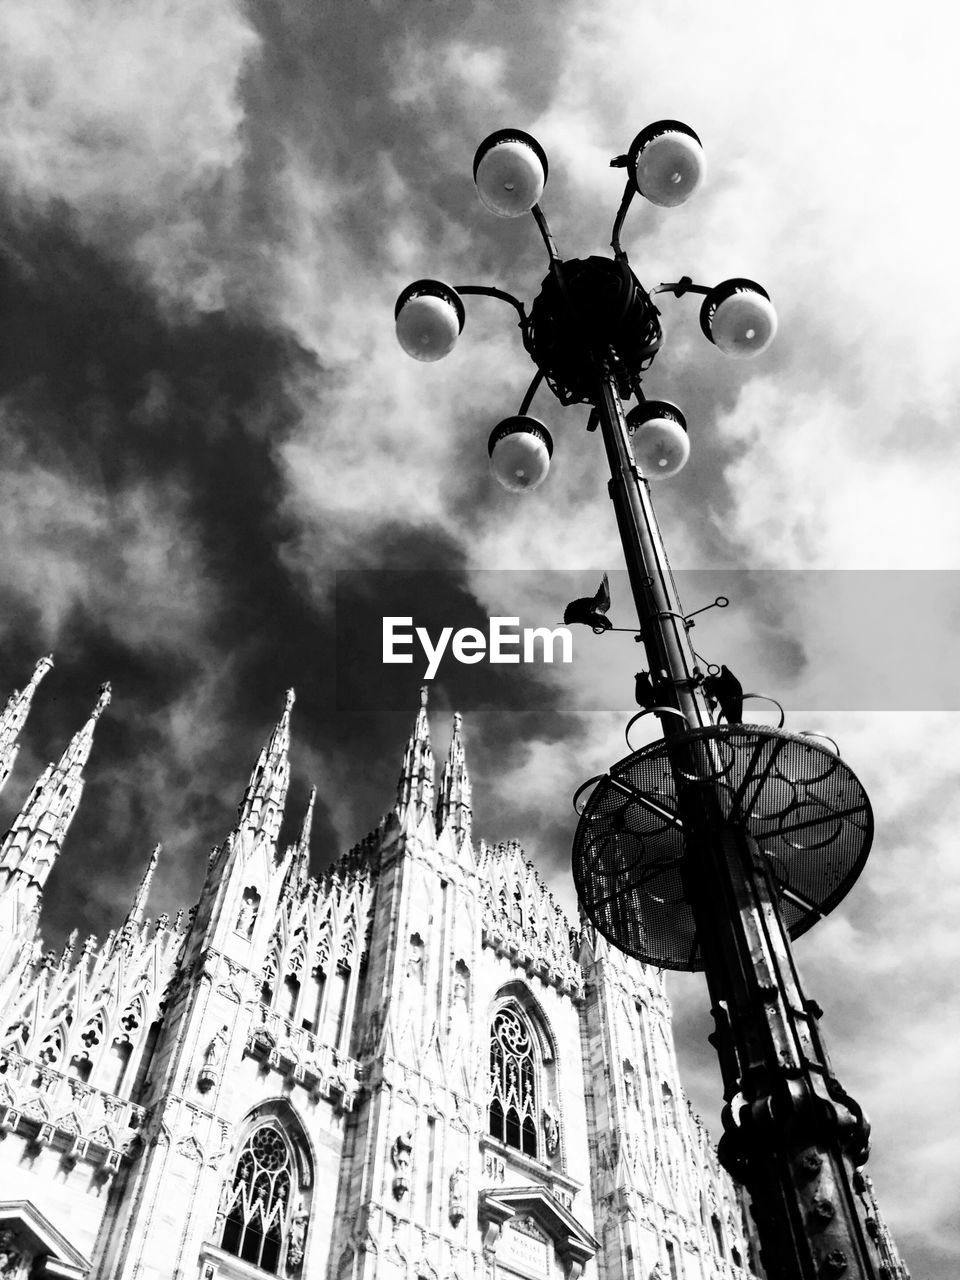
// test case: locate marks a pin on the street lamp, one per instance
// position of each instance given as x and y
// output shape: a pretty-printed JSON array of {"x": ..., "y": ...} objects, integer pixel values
[{"x": 713, "y": 846}]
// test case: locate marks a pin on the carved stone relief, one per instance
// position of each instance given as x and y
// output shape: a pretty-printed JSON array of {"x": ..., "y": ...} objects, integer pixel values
[{"x": 12, "y": 1256}]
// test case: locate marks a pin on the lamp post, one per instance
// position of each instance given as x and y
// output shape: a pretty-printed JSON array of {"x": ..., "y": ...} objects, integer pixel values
[{"x": 715, "y": 845}]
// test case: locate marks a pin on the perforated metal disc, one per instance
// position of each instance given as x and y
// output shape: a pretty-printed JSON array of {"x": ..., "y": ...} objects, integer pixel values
[{"x": 805, "y": 808}]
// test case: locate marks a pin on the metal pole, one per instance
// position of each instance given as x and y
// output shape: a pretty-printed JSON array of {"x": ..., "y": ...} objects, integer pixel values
[{"x": 792, "y": 1136}]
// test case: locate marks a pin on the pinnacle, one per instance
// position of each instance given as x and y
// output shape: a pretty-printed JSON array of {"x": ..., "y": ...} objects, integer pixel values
[
  {"x": 306, "y": 827},
  {"x": 35, "y": 839},
  {"x": 14, "y": 716},
  {"x": 266, "y": 793},
  {"x": 298, "y": 854},
  {"x": 136, "y": 912},
  {"x": 454, "y": 802},
  {"x": 78, "y": 750},
  {"x": 103, "y": 701},
  {"x": 415, "y": 785}
]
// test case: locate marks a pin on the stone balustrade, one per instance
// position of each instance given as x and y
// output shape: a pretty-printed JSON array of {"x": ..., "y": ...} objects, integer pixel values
[
  {"x": 296, "y": 1052},
  {"x": 52, "y": 1108}
]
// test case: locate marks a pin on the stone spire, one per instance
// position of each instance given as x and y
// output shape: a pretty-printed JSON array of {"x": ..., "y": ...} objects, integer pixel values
[
  {"x": 14, "y": 717},
  {"x": 33, "y": 842},
  {"x": 454, "y": 807},
  {"x": 298, "y": 872},
  {"x": 415, "y": 785},
  {"x": 261, "y": 809},
  {"x": 137, "y": 910}
]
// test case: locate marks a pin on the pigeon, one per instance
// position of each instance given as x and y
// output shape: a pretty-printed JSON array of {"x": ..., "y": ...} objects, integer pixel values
[
  {"x": 643, "y": 691},
  {"x": 591, "y": 610},
  {"x": 726, "y": 690}
]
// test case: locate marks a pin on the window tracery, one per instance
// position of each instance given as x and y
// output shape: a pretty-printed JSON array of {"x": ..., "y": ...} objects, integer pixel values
[
  {"x": 258, "y": 1206},
  {"x": 513, "y": 1105},
  {"x": 17, "y": 1036},
  {"x": 51, "y": 1051}
]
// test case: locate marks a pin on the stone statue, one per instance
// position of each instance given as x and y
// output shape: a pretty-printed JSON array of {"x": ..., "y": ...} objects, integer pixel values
[
  {"x": 226, "y": 1195},
  {"x": 415, "y": 961},
  {"x": 459, "y": 1024},
  {"x": 212, "y": 1058},
  {"x": 458, "y": 1192},
  {"x": 460, "y": 984},
  {"x": 628, "y": 1082},
  {"x": 298, "y": 1231},
  {"x": 248, "y": 912},
  {"x": 400, "y": 1154},
  {"x": 214, "y": 1050},
  {"x": 551, "y": 1129}
]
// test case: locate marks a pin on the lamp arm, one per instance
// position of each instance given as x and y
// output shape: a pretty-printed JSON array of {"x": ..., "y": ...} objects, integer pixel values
[
  {"x": 540, "y": 219},
  {"x": 682, "y": 286},
  {"x": 629, "y": 192},
  {"x": 530, "y": 393},
  {"x": 488, "y": 291}
]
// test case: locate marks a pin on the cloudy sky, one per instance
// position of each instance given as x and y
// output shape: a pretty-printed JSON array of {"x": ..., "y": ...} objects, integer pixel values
[{"x": 217, "y": 469}]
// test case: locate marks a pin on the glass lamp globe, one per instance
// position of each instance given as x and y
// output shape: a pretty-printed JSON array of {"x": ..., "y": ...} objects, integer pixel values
[
  {"x": 510, "y": 170},
  {"x": 658, "y": 434},
  {"x": 429, "y": 317},
  {"x": 739, "y": 318},
  {"x": 520, "y": 450},
  {"x": 667, "y": 163}
]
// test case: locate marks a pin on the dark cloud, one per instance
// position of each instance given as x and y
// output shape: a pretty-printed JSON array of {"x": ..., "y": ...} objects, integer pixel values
[
  {"x": 110, "y": 393},
  {"x": 203, "y": 423}
]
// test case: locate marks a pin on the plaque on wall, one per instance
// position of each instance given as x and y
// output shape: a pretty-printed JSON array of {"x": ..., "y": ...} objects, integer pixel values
[{"x": 525, "y": 1249}]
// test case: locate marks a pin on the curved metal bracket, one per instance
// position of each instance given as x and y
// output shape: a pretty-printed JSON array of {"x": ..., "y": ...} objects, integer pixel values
[
  {"x": 815, "y": 733},
  {"x": 531, "y": 391},
  {"x": 765, "y": 697},
  {"x": 629, "y": 192},
  {"x": 590, "y": 782},
  {"x": 670, "y": 711},
  {"x": 487, "y": 291},
  {"x": 540, "y": 219}
]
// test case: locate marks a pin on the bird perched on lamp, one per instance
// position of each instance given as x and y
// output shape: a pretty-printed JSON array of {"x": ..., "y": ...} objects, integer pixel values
[
  {"x": 591, "y": 610},
  {"x": 727, "y": 691},
  {"x": 644, "y": 691}
]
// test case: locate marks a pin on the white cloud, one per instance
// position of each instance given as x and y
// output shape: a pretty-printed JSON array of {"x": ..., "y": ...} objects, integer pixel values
[
  {"x": 127, "y": 560},
  {"x": 132, "y": 121}
]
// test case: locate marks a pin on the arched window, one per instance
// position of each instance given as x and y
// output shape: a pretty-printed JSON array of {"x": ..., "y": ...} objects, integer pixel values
[
  {"x": 672, "y": 1260},
  {"x": 258, "y": 1209},
  {"x": 120, "y": 1052},
  {"x": 291, "y": 997},
  {"x": 513, "y": 1105}
]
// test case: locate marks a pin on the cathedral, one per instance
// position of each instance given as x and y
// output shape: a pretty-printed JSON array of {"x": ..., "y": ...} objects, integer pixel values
[{"x": 413, "y": 1068}]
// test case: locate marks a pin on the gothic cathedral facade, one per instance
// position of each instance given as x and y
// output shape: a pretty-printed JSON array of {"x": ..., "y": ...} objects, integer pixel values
[{"x": 410, "y": 1069}]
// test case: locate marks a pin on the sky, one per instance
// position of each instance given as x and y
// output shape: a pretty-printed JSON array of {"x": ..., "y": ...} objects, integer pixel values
[{"x": 218, "y": 470}]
